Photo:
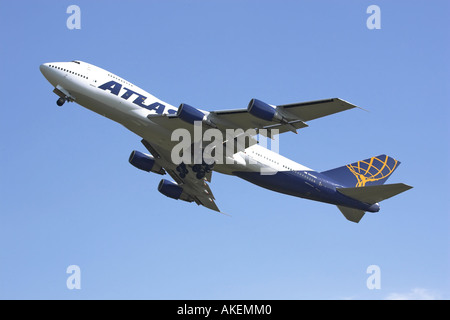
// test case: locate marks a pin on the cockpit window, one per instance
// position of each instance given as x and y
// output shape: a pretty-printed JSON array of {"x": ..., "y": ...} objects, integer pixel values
[{"x": 76, "y": 61}]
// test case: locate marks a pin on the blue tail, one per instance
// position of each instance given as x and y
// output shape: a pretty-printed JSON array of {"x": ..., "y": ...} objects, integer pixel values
[{"x": 370, "y": 172}]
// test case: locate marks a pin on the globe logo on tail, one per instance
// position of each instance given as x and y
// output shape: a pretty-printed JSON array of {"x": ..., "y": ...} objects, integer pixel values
[{"x": 373, "y": 169}]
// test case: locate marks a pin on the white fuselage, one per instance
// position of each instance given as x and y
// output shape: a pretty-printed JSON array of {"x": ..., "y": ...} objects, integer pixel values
[{"x": 130, "y": 106}]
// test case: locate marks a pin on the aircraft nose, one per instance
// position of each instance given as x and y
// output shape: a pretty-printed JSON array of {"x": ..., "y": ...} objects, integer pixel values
[
  {"x": 44, "y": 69},
  {"x": 49, "y": 73}
]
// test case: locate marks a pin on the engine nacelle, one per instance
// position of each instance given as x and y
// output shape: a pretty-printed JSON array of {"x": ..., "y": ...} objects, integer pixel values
[
  {"x": 189, "y": 114},
  {"x": 173, "y": 190},
  {"x": 145, "y": 162},
  {"x": 263, "y": 110},
  {"x": 170, "y": 189}
]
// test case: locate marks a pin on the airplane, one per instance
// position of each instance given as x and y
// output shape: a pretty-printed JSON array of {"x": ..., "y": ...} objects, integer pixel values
[{"x": 355, "y": 188}]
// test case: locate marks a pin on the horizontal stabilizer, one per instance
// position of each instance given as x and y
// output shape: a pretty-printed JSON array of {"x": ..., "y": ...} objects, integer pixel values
[
  {"x": 374, "y": 194},
  {"x": 353, "y": 215}
]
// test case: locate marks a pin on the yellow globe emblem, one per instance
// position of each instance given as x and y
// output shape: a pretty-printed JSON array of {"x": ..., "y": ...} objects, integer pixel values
[{"x": 373, "y": 169}]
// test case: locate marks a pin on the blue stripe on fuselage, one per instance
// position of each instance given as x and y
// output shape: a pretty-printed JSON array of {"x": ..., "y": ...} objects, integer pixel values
[{"x": 304, "y": 184}]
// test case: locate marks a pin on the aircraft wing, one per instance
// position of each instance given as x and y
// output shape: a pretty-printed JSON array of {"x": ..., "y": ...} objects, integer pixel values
[
  {"x": 193, "y": 189},
  {"x": 298, "y": 114},
  {"x": 294, "y": 116}
]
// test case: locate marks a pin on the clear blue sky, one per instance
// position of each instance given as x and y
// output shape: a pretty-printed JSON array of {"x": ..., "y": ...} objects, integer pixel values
[{"x": 70, "y": 197}]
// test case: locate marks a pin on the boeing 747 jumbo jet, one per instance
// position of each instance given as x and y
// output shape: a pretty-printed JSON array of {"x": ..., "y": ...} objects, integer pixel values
[{"x": 173, "y": 136}]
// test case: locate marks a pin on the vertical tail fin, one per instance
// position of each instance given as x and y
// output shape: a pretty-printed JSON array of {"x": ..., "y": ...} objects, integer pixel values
[{"x": 369, "y": 172}]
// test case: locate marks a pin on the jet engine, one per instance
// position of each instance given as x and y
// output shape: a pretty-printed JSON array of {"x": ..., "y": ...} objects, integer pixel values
[
  {"x": 173, "y": 190},
  {"x": 263, "y": 110},
  {"x": 145, "y": 162},
  {"x": 189, "y": 114}
]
